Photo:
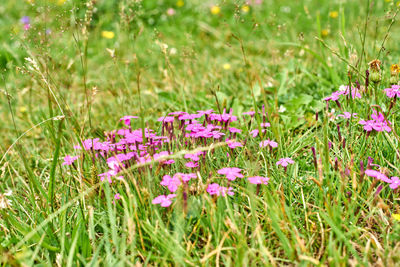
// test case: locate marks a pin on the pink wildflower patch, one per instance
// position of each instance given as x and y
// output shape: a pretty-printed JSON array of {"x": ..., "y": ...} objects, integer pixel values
[
  {"x": 68, "y": 160},
  {"x": 231, "y": 173},
  {"x": 284, "y": 162},
  {"x": 164, "y": 201},
  {"x": 378, "y": 123},
  {"x": 268, "y": 142},
  {"x": 216, "y": 189},
  {"x": 258, "y": 180}
]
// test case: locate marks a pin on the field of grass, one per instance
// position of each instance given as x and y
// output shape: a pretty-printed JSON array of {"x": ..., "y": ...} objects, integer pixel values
[{"x": 263, "y": 134}]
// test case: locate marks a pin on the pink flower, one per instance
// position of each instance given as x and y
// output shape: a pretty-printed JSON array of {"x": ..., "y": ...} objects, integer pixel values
[
  {"x": 192, "y": 164},
  {"x": 258, "y": 180},
  {"x": 213, "y": 189},
  {"x": 171, "y": 182},
  {"x": 392, "y": 92},
  {"x": 164, "y": 201},
  {"x": 394, "y": 182},
  {"x": 68, "y": 160},
  {"x": 117, "y": 196},
  {"x": 265, "y": 124},
  {"x": 216, "y": 189},
  {"x": 377, "y": 175},
  {"x": 268, "y": 143},
  {"x": 231, "y": 173},
  {"x": 166, "y": 119},
  {"x": 284, "y": 162},
  {"x": 249, "y": 113},
  {"x": 233, "y": 144},
  {"x": 347, "y": 115},
  {"x": 127, "y": 119},
  {"x": 378, "y": 123},
  {"x": 170, "y": 12},
  {"x": 234, "y": 130}
]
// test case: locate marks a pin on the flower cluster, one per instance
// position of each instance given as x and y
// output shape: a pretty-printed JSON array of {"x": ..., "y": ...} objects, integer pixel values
[
  {"x": 394, "y": 182},
  {"x": 377, "y": 123}
]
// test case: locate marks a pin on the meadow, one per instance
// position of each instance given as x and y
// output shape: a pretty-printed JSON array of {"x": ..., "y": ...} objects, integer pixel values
[{"x": 199, "y": 133}]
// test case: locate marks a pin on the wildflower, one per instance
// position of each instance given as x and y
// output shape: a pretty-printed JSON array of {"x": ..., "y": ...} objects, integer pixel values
[
  {"x": 180, "y": 3},
  {"x": 216, "y": 189},
  {"x": 164, "y": 201},
  {"x": 284, "y": 162},
  {"x": 245, "y": 8},
  {"x": 265, "y": 124},
  {"x": 268, "y": 143},
  {"x": 166, "y": 119},
  {"x": 25, "y": 20},
  {"x": 127, "y": 119},
  {"x": 258, "y": 180},
  {"x": 215, "y": 10},
  {"x": 171, "y": 182},
  {"x": 325, "y": 32},
  {"x": 117, "y": 196},
  {"x": 170, "y": 12},
  {"x": 108, "y": 34},
  {"x": 250, "y": 113},
  {"x": 377, "y": 175},
  {"x": 192, "y": 164},
  {"x": 234, "y": 130},
  {"x": 394, "y": 182},
  {"x": 68, "y": 160},
  {"x": 394, "y": 91},
  {"x": 232, "y": 144},
  {"x": 378, "y": 123},
  {"x": 213, "y": 189},
  {"x": 226, "y": 66},
  {"x": 396, "y": 217},
  {"x": 375, "y": 70},
  {"x": 333, "y": 14},
  {"x": 347, "y": 115},
  {"x": 231, "y": 173}
]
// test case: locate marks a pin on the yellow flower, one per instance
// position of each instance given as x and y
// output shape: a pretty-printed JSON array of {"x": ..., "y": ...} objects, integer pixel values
[
  {"x": 107, "y": 34},
  {"x": 334, "y": 14},
  {"x": 61, "y": 2},
  {"x": 23, "y": 109},
  {"x": 180, "y": 3},
  {"x": 396, "y": 217},
  {"x": 398, "y": 3},
  {"x": 215, "y": 10},
  {"x": 394, "y": 69},
  {"x": 245, "y": 8},
  {"x": 325, "y": 32},
  {"x": 227, "y": 66}
]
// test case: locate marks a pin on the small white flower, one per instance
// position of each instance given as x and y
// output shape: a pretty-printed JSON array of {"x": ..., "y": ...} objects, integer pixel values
[{"x": 281, "y": 109}]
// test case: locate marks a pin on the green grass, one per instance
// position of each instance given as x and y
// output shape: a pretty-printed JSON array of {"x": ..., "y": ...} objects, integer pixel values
[{"x": 73, "y": 84}]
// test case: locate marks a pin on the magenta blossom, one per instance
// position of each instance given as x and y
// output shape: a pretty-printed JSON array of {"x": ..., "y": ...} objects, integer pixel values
[
  {"x": 68, "y": 160},
  {"x": 117, "y": 196},
  {"x": 164, "y": 201},
  {"x": 393, "y": 92},
  {"x": 378, "y": 123},
  {"x": 377, "y": 175},
  {"x": 394, "y": 182},
  {"x": 284, "y": 162},
  {"x": 192, "y": 164},
  {"x": 216, "y": 189},
  {"x": 233, "y": 144},
  {"x": 231, "y": 173},
  {"x": 258, "y": 180},
  {"x": 127, "y": 119},
  {"x": 268, "y": 143}
]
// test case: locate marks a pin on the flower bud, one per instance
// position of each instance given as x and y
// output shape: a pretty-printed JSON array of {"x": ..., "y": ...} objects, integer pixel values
[{"x": 375, "y": 76}]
